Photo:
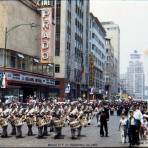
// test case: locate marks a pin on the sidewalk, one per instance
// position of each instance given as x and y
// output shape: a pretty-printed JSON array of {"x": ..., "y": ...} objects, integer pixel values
[{"x": 144, "y": 143}]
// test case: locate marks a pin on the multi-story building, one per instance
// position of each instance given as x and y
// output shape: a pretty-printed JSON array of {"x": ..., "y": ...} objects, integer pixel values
[
  {"x": 135, "y": 76},
  {"x": 123, "y": 83},
  {"x": 20, "y": 51},
  {"x": 110, "y": 71},
  {"x": 71, "y": 47},
  {"x": 113, "y": 32},
  {"x": 97, "y": 52},
  {"x": 146, "y": 93}
]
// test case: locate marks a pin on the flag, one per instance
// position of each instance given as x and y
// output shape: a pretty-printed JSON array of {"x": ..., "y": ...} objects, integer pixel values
[{"x": 4, "y": 81}]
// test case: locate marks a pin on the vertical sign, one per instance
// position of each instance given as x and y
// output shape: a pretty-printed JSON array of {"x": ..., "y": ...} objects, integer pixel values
[
  {"x": 46, "y": 35},
  {"x": 91, "y": 70}
]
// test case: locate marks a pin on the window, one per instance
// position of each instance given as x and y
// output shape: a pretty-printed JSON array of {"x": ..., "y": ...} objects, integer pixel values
[
  {"x": 13, "y": 61},
  {"x": 57, "y": 68}
]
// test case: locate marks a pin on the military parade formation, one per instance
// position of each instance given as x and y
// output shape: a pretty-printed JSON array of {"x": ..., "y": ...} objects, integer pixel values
[
  {"x": 76, "y": 115},
  {"x": 44, "y": 115}
]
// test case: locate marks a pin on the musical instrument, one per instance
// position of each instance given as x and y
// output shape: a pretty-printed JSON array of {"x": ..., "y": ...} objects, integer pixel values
[
  {"x": 29, "y": 121},
  {"x": 3, "y": 122},
  {"x": 40, "y": 122},
  {"x": 47, "y": 120},
  {"x": 58, "y": 123},
  {"x": 74, "y": 124},
  {"x": 18, "y": 121}
]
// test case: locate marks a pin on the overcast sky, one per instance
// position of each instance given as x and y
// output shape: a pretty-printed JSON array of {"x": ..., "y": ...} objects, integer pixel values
[{"x": 132, "y": 17}]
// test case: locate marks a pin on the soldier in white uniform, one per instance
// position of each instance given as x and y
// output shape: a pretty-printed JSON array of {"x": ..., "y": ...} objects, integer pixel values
[
  {"x": 40, "y": 114},
  {"x": 73, "y": 122},
  {"x": 30, "y": 119},
  {"x": 12, "y": 118},
  {"x": 19, "y": 122},
  {"x": 4, "y": 119}
]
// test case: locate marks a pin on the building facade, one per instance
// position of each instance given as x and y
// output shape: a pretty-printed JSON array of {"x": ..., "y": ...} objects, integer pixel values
[
  {"x": 97, "y": 58},
  {"x": 20, "y": 51},
  {"x": 113, "y": 32},
  {"x": 110, "y": 69},
  {"x": 71, "y": 47},
  {"x": 135, "y": 76}
]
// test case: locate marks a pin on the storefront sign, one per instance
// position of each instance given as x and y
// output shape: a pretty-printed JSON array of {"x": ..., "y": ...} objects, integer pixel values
[
  {"x": 28, "y": 78},
  {"x": 46, "y": 35}
]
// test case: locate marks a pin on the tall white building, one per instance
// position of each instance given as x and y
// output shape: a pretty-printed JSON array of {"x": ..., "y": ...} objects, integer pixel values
[
  {"x": 113, "y": 32},
  {"x": 97, "y": 51},
  {"x": 135, "y": 76}
]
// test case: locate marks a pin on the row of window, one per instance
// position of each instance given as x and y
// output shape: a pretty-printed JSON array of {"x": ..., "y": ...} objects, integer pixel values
[
  {"x": 98, "y": 29},
  {"x": 79, "y": 25},
  {"x": 94, "y": 36},
  {"x": 98, "y": 51},
  {"x": 78, "y": 38},
  {"x": 27, "y": 63},
  {"x": 79, "y": 12},
  {"x": 58, "y": 21},
  {"x": 78, "y": 55},
  {"x": 77, "y": 75}
]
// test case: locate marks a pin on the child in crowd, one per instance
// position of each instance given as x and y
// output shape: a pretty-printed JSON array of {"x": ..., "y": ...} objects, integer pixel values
[
  {"x": 144, "y": 129},
  {"x": 123, "y": 128}
]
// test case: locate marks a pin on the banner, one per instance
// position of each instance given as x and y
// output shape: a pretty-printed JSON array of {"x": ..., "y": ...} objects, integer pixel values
[
  {"x": 91, "y": 70},
  {"x": 47, "y": 35}
]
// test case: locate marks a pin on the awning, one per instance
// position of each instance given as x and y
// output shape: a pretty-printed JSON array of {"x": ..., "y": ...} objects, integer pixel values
[
  {"x": 36, "y": 60},
  {"x": 20, "y": 56}
]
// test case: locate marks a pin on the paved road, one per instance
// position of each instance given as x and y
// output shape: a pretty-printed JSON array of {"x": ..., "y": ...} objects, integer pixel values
[{"x": 90, "y": 138}]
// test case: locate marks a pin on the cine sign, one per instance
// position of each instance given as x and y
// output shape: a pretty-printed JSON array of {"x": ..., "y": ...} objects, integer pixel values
[
  {"x": 46, "y": 35},
  {"x": 43, "y": 3}
]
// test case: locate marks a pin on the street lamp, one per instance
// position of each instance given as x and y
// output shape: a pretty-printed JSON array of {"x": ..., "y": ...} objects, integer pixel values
[{"x": 7, "y": 31}]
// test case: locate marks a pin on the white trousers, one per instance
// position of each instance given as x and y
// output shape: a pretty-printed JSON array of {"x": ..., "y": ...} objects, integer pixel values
[{"x": 123, "y": 136}]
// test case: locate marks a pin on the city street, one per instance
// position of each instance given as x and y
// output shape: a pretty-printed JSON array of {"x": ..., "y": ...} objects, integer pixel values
[{"x": 90, "y": 137}]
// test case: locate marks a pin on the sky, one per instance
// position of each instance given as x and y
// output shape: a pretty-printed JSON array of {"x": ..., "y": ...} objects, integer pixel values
[{"x": 132, "y": 18}]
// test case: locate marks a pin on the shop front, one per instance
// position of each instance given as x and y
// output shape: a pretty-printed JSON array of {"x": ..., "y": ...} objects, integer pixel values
[{"x": 24, "y": 84}]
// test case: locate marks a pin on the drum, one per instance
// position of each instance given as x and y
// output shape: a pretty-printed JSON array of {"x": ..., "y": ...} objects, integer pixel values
[
  {"x": 29, "y": 121},
  {"x": 40, "y": 122},
  {"x": 18, "y": 122},
  {"x": 58, "y": 123},
  {"x": 4, "y": 122},
  {"x": 74, "y": 124}
]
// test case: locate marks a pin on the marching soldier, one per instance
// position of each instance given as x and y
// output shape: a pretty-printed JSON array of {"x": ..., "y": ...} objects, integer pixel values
[
  {"x": 4, "y": 121},
  {"x": 40, "y": 120},
  {"x": 19, "y": 122},
  {"x": 46, "y": 111},
  {"x": 12, "y": 118},
  {"x": 73, "y": 121},
  {"x": 57, "y": 123},
  {"x": 80, "y": 115},
  {"x": 30, "y": 119}
]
